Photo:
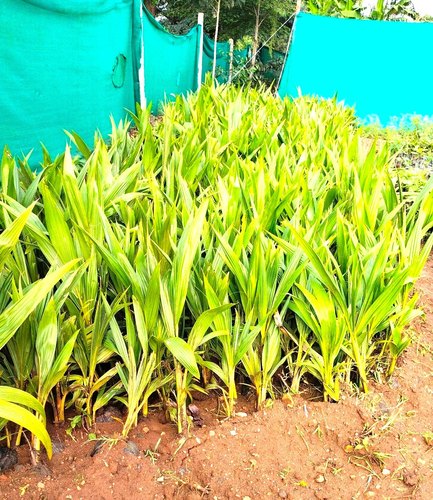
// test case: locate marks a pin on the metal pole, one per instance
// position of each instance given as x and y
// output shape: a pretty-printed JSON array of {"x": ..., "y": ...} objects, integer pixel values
[{"x": 200, "y": 22}]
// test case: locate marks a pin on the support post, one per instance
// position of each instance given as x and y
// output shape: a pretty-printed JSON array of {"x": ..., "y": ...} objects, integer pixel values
[
  {"x": 231, "y": 55},
  {"x": 298, "y": 10},
  {"x": 200, "y": 22},
  {"x": 215, "y": 47},
  {"x": 141, "y": 74}
]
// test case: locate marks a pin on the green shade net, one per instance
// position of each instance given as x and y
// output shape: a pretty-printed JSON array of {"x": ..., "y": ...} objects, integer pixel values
[
  {"x": 240, "y": 56},
  {"x": 383, "y": 68},
  {"x": 273, "y": 61},
  {"x": 170, "y": 62},
  {"x": 222, "y": 59},
  {"x": 268, "y": 55},
  {"x": 65, "y": 65}
]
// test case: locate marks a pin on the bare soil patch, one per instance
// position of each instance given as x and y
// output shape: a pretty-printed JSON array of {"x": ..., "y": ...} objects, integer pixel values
[{"x": 376, "y": 445}]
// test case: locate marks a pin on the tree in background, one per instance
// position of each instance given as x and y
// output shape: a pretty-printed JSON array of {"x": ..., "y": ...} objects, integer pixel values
[
  {"x": 255, "y": 19},
  {"x": 383, "y": 10},
  {"x": 393, "y": 9},
  {"x": 343, "y": 8}
]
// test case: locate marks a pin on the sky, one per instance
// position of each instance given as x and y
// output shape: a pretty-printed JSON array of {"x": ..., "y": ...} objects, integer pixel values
[{"x": 423, "y": 7}]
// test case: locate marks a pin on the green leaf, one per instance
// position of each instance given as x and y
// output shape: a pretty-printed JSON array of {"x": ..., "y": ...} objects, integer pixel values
[
  {"x": 23, "y": 398},
  {"x": 10, "y": 236},
  {"x": 11, "y": 410},
  {"x": 203, "y": 323},
  {"x": 46, "y": 340},
  {"x": 152, "y": 299},
  {"x": 183, "y": 260},
  {"x": 60, "y": 366},
  {"x": 247, "y": 337},
  {"x": 81, "y": 145},
  {"x": 184, "y": 354},
  {"x": 215, "y": 369},
  {"x": 15, "y": 315},
  {"x": 59, "y": 231}
]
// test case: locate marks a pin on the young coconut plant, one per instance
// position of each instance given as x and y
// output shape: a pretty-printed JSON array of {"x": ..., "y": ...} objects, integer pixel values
[{"x": 15, "y": 404}]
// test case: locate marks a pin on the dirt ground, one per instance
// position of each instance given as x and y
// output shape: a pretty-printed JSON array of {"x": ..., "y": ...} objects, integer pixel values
[{"x": 376, "y": 445}]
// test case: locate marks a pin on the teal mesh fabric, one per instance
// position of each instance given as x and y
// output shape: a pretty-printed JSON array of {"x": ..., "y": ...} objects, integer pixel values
[
  {"x": 222, "y": 59},
  {"x": 380, "y": 67},
  {"x": 273, "y": 61},
  {"x": 65, "y": 65},
  {"x": 170, "y": 62},
  {"x": 241, "y": 56},
  {"x": 267, "y": 55}
]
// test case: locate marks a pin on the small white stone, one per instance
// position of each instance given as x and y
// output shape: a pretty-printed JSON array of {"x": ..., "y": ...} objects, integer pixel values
[
  {"x": 241, "y": 414},
  {"x": 320, "y": 479},
  {"x": 211, "y": 434},
  {"x": 386, "y": 472},
  {"x": 160, "y": 479},
  {"x": 233, "y": 432}
]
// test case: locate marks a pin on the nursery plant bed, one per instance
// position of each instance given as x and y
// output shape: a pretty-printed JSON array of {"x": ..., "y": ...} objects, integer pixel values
[{"x": 375, "y": 445}]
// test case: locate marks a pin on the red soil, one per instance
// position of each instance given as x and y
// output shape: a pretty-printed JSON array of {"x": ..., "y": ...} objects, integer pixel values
[{"x": 376, "y": 445}]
